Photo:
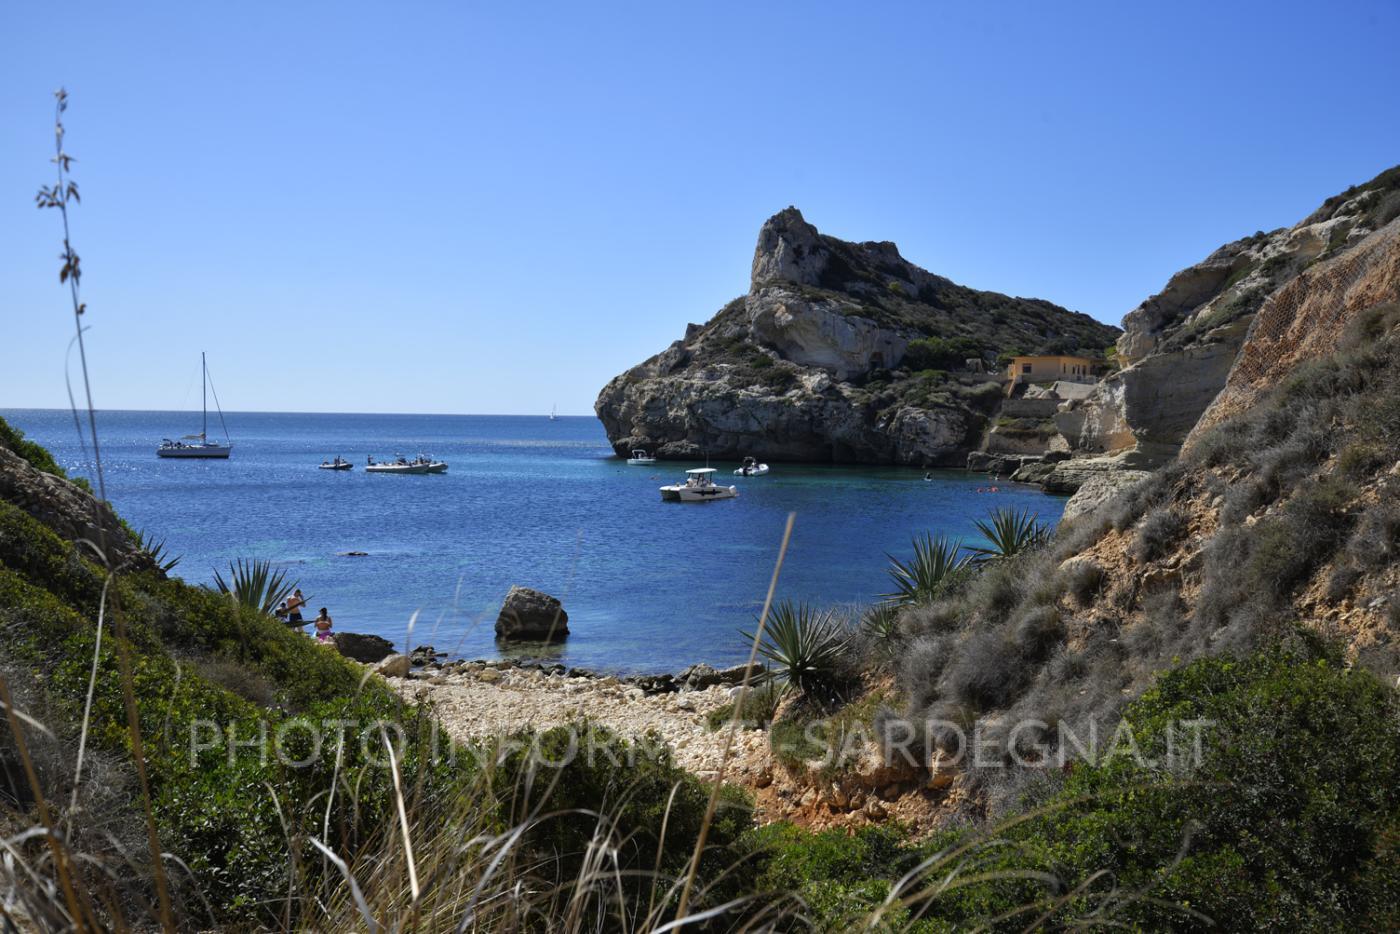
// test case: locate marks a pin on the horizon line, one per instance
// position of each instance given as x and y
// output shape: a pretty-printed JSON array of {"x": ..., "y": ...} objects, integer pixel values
[{"x": 99, "y": 410}]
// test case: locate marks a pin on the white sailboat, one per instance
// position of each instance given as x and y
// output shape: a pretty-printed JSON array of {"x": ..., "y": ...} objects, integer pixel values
[
  {"x": 554, "y": 413},
  {"x": 199, "y": 446}
]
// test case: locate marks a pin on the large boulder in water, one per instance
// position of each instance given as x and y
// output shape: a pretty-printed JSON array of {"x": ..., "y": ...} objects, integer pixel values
[
  {"x": 363, "y": 648},
  {"x": 531, "y": 616}
]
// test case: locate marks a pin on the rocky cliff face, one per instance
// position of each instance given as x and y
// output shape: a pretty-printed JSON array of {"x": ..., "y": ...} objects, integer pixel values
[
  {"x": 839, "y": 352},
  {"x": 1179, "y": 346},
  {"x": 71, "y": 511}
]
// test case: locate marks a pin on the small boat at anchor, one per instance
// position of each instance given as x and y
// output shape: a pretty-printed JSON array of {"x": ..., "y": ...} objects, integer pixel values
[
  {"x": 699, "y": 486},
  {"x": 338, "y": 464},
  {"x": 640, "y": 457},
  {"x": 751, "y": 468},
  {"x": 401, "y": 464}
]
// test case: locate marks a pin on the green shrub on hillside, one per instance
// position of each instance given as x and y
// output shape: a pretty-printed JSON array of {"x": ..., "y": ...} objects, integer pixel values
[
  {"x": 940, "y": 353},
  {"x": 1289, "y": 822},
  {"x": 12, "y": 439}
]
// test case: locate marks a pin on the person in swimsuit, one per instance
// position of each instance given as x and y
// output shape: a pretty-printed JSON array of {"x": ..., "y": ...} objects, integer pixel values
[
  {"x": 323, "y": 626},
  {"x": 294, "y": 604}
]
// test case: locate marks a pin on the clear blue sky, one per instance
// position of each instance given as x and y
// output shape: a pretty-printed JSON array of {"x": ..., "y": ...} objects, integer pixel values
[{"x": 473, "y": 207}]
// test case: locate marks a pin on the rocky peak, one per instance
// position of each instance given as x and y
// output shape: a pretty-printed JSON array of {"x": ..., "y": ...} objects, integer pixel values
[
  {"x": 789, "y": 250},
  {"x": 811, "y": 364}
]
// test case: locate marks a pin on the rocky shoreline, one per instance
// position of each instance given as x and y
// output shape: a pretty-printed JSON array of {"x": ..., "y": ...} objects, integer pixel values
[{"x": 481, "y": 699}]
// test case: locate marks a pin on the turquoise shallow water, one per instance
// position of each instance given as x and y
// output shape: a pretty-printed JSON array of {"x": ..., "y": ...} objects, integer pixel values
[{"x": 649, "y": 586}]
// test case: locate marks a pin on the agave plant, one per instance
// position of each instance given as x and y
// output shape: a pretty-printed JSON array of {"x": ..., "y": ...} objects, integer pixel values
[
  {"x": 938, "y": 563},
  {"x": 1009, "y": 533},
  {"x": 805, "y": 648},
  {"x": 880, "y": 627},
  {"x": 254, "y": 584},
  {"x": 154, "y": 548}
]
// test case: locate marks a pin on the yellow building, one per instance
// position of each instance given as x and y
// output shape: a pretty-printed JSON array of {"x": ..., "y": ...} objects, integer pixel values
[{"x": 1050, "y": 368}]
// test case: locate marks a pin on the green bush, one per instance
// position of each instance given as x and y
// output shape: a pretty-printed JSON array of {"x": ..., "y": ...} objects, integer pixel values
[
  {"x": 12, "y": 439},
  {"x": 1288, "y": 823},
  {"x": 638, "y": 786},
  {"x": 759, "y": 705},
  {"x": 940, "y": 353},
  {"x": 1289, "y": 820}
]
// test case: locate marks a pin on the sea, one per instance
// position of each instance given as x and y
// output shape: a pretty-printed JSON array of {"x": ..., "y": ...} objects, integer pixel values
[{"x": 649, "y": 586}]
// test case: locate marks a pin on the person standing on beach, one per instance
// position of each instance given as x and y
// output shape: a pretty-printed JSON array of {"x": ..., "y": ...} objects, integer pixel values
[
  {"x": 294, "y": 604},
  {"x": 323, "y": 625}
]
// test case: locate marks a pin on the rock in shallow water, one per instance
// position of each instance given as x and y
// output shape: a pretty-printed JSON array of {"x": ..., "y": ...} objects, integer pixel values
[{"x": 532, "y": 616}]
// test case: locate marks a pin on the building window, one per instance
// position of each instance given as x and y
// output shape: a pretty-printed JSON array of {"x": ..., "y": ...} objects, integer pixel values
[{"x": 1025, "y": 368}]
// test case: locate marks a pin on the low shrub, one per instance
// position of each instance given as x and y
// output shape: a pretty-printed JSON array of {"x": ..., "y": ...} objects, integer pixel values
[
  {"x": 921, "y": 668},
  {"x": 756, "y": 710},
  {"x": 1376, "y": 541},
  {"x": 1083, "y": 580},
  {"x": 1159, "y": 531},
  {"x": 1283, "y": 824},
  {"x": 987, "y": 673}
]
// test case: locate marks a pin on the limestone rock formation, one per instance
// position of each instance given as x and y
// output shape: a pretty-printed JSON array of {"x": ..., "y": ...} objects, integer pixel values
[
  {"x": 829, "y": 357},
  {"x": 1179, "y": 346},
  {"x": 1306, "y": 318},
  {"x": 531, "y": 616},
  {"x": 69, "y": 510}
]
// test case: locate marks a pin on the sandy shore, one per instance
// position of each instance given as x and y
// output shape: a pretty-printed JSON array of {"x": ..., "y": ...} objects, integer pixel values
[{"x": 477, "y": 701}]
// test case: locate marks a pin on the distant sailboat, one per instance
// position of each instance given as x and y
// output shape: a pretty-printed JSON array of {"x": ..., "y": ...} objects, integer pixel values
[
  {"x": 199, "y": 445},
  {"x": 554, "y": 413}
]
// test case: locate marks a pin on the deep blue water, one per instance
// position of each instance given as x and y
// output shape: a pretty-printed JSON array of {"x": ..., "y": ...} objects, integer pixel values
[{"x": 648, "y": 585}]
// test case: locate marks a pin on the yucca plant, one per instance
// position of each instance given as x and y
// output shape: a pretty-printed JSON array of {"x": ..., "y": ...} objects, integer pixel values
[
  {"x": 154, "y": 548},
  {"x": 805, "y": 648},
  {"x": 880, "y": 625},
  {"x": 253, "y": 583},
  {"x": 1009, "y": 533},
  {"x": 938, "y": 563}
]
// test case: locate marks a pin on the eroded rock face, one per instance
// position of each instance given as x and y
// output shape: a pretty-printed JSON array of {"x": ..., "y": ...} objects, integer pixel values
[
  {"x": 1306, "y": 319},
  {"x": 824, "y": 334},
  {"x": 532, "y": 616},
  {"x": 68, "y": 509},
  {"x": 789, "y": 250},
  {"x": 1179, "y": 346},
  {"x": 808, "y": 365}
]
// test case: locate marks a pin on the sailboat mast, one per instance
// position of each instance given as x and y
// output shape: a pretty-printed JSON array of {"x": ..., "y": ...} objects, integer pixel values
[{"x": 204, "y": 397}]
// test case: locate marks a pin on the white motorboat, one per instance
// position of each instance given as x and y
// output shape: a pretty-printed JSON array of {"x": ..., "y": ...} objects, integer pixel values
[
  {"x": 751, "y": 468},
  {"x": 199, "y": 446},
  {"x": 401, "y": 464},
  {"x": 699, "y": 486},
  {"x": 338, "y": 464},
  {"x": 640, "y": 457}
]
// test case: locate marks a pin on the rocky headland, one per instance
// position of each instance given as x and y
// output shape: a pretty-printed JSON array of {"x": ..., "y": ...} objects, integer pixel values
[
  {"x": 841, "y": 353},
  {"x": 1179, "y": 347}
]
